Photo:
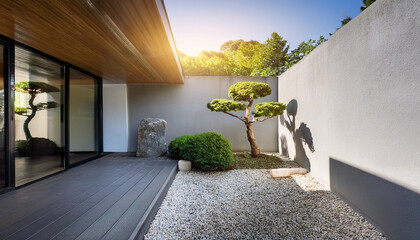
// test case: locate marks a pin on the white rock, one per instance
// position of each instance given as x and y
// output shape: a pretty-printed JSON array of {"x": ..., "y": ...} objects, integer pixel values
[
  {"x": 247, "y": 204},
  {"x": 286, "y": 172},
  {"x": 184, "y": 165}
]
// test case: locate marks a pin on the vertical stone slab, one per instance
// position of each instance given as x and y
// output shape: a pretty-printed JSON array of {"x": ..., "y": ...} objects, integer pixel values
[{"x": 151, "y": 138}]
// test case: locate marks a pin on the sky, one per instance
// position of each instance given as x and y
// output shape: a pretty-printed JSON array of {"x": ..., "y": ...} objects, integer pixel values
[{"x": 206, "y": 24}]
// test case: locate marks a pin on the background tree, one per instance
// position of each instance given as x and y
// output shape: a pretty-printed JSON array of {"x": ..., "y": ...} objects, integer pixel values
[
  {"x": 206, "y": 64},
  {"x": 366, "y": 4},
  {"x": 33, "y": 89},
  {"x": 248, "y": 92},
  {"x": 345, "y": 20},
  {"x": 301, "y": 51},
  {"x": 271, "y": 58},
  {"x": 239, "y": 58}
]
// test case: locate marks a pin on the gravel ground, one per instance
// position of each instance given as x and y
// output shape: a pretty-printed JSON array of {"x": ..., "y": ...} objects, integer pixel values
[{"x": 249, "y": 204}]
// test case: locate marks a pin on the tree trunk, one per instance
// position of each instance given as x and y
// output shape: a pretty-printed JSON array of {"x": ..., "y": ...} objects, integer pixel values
[
  {"x": 255, "y": 150},
  {"x": 30, "y": 117}
]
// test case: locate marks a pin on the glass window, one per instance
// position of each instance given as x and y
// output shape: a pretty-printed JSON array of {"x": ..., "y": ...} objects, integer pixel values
[
  {"x": 83, "y": 116},
  {"x": 2, "y": 127},
  {"x": 39, "y": 85}
]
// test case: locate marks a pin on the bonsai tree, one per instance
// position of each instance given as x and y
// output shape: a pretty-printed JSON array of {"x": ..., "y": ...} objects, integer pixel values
[
  {"x": 248, "y": 92},
  {"x": 33, "y": 88}
]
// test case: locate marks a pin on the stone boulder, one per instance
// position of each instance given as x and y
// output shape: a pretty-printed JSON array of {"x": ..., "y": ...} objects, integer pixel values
[{"x": 151, "y": 138}]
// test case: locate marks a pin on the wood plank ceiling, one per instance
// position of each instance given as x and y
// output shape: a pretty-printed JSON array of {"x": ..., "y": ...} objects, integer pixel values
[{"x": 119, "y": 40}]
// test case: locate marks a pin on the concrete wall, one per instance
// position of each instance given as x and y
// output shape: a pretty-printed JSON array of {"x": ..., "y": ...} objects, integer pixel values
[
  {"x": 184, "y": 108},
  {"x": 115, "y": 117},
  {"x": 359, "y": 96}
]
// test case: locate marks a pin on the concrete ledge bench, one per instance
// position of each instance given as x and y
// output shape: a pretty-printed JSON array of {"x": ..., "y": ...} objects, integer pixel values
[{"x": 286, "y": 172}]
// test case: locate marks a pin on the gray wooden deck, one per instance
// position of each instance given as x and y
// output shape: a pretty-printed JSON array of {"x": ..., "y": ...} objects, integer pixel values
[{"x": 114, "y": 197}]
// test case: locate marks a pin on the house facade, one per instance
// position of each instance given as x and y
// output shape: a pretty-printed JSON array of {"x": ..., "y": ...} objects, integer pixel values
[
  {"x": 76, "y": 78},
  {"x": 55, "y": 55}
]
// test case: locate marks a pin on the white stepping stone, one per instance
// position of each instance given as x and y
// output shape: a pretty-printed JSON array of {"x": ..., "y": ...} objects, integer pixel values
[{"x": 286, "y": 172}]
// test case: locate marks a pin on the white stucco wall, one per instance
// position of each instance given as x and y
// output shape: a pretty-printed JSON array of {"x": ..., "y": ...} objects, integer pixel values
[
  {"x": 359, "y": 94},
  {"x": 184, "y": 107},
  {"x": 115, "y": 121}
]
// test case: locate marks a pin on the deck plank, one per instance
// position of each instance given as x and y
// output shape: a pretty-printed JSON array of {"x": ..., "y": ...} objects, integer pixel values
[
  {"x": 62, "y": 206},
  {"x": 122, "y": 229},
  {"x": 90, "y": 217},
  {"x": 93, "y": 201},
  {"x": 53, "y": 215}
]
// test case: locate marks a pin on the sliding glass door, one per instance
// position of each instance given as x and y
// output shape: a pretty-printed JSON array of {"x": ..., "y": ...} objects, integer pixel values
[
  {"x": 39, "y": 85},
  {"x": 50, "y": 115},
  {"x": 3, "y": 164},
  {"x": 83, "y": 116}
]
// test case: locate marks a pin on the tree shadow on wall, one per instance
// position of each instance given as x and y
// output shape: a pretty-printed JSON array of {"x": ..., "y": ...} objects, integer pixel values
[{"x": 301, "y": 135}]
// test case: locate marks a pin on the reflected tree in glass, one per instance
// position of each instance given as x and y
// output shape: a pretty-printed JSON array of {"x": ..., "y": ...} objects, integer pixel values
[{"x": 35, "y": 146}]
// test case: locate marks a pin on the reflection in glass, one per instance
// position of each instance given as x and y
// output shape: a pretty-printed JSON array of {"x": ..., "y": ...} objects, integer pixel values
[
  {"x": 2, "y": 128},
  {"x": 38, "y": 139},
  {"x": 83, "y": 120}
]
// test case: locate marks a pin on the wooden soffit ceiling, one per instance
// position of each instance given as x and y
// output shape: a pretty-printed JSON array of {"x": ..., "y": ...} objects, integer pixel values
[{"x": 119, "y": 40}]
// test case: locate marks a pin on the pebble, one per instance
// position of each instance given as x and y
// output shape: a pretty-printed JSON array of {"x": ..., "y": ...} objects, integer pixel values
[{"x": 249, "y": 204}]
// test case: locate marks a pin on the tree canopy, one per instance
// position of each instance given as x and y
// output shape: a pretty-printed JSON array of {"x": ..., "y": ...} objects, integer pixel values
[
  {"x": 247, "y": 91},
  {"x": 239, "y": 58},
  {"x": 301, "y": 51},
  {"x": 248, "y": 58},
  {"x": 35, "y": 87}
]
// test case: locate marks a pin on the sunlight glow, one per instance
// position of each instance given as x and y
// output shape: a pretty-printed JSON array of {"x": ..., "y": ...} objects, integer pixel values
[{"x": 205, "y": 25}]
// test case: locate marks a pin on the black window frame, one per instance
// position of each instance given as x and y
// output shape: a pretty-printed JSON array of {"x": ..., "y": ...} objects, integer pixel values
[{"x": 9, "y": 81}]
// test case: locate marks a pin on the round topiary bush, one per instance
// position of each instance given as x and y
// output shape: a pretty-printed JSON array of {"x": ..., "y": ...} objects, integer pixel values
[
  {"x": 177, "y": 146},
  {"x": 207, "y": 151}
]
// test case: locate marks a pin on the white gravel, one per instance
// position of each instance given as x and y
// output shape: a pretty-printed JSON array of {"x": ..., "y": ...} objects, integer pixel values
[{"x": 249, "y": 204}]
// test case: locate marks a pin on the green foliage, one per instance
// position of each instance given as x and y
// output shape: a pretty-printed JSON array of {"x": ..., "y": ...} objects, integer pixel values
[
  {"x": 35, "y": 87},
  {"x": 301, "y": 51},
  {"x": 269, "y": 109},
  {"x": 272, "y": 57},
  {"x": 345, "y": 21},
  {"x": 224, "y": 105},
  {"x": 21, "y": 110},
  {"x": 207, "y": 151},
  {"x": 366, "y": 4},
  {"x": 177, "y": 146},
  {"x": 206, "y": 64},
  {"x": 247, "y": 91},
  {"x": 239, "y": 58}
]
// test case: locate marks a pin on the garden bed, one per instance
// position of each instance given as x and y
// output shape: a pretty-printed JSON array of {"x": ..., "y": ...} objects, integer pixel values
[{"x": 244, "y": 160}]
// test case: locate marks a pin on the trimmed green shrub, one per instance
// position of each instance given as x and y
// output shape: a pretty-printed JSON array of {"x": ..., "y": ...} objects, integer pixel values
[
  {"x": 247, "y": 91},
  {"x": 207, "y": 151},
  {"x": 177, "y": 146},
  {"x": 223, "y": 105}
]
